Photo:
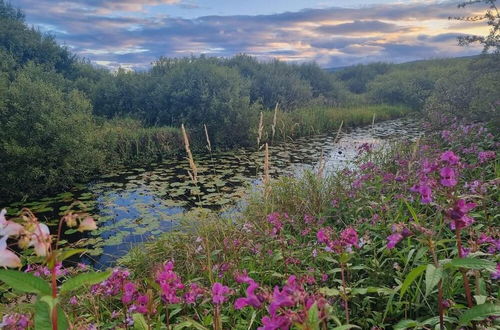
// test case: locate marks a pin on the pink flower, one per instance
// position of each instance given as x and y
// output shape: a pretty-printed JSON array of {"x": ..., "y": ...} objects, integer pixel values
[
  {"x": 219, "y": 293},
  {"x": 322, "y": 236},
  {"x": 393, "y": 240},
  {"x": 129, "y": 292},
  {"x": 87, "y": 224},
  {"x": 277, "y": 322},
  {"x": 251, "y": 299},
  {"x": 349, "y": 237},
  {"x": 40, "y": 239},
  {"x": 73, "y": 300},
  {"x": 448, "y": 177},
  {"x": 496, "y": 274},
  {"x": 9, "y": 228},
  {"x": 141, "y": 304},
  {"x": 7, "y": 257},
  {"x": 193, "y": 293},
  {"x": 280, "y": 299},
  {"x": 485, "y": 156},
  {"x": 450, "y": 157},
  {"x": 170, "y": 283},
  {"x": 458, "y": 214}
]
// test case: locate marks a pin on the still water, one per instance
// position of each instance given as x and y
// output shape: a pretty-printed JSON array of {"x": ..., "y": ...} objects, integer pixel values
[{"x": 135, "y": 204}]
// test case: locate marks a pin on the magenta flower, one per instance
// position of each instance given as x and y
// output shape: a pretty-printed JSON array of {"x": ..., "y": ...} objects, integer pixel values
[
  {"x": 458, "y": 214},
  {"x": 220, "y": 293},
  {"x": 170, "y": 283},
  {"x": 193, "y": 293},
  {"x": 393, "y": 240},
  {"x": 349, "y": 237},
  {"x": 277, "y": 322},
  {"x": 450, "y": 157},
  {"x": 448, "y": 177},
  {"x": 274, "y": 220},
  {"x": 323, "y": 235},
  {"x": 280, "y": 299},
  {"x": 496, "y": 274},
  {"x": 485, "y": 156},
  {"x": 251, "y": 299},
  {"x": 141, "y": 304},
  {"x": 129, "y": 292}
]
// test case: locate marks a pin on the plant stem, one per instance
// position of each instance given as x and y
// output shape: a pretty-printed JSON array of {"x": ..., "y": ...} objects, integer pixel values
[
  {"x": 440, "y": 288},
  {"x": 344, "y": 289},
  {"x": 54, "y": 295},
  {"x": 468, "y": 293}
]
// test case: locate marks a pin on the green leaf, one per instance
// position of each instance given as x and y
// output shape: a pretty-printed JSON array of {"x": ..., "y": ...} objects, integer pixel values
[
  {"x": 69, "y": 253},
  {"x": 189, "y": 323},
  {"x": 24, "y": 282},
  {"x": 329, "y": 292},
  {"x": 313, "y": 317},
  {"x": 479, "y": 312},
  {"x": 412, "y": 212},
  {"x": 432, "y": 277},
  {"x": 472, "y": 263},
  {"x": 43, "y": 319},
  {"x": 139, "y": 322},
  {"x": 412, "y": 276},
  {"x": 346, "y": 327},
  {"x": 405, "y": 324},
  {"x": 84, "y": 279}
]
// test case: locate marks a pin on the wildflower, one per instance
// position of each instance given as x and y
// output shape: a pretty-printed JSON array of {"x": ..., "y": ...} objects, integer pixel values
[
  {"x": 9, "y": 228},
  {"x": 458, "y": 214},
  {"x": 323, "y": 235},
  {"x": 393, "y": 240},
  {"x": 251, "y": 298},
  {"x": 448, "y": 177},
  {"x": 193, "y": 293},
  {"x": 15, "y": 321},
  {"x": 496, "y": 274},
  {"x": 485, "y": 156},
  {"x": 73, "y": 300},
  {"x": 324, "y": 277},
  {"x": 219, "y": 293},
  {"x": 274, "y": 220},
  {"x": 280, "y": 299},
  {"x": 39, "y": 238},
  {"x": 450, "y": 157},
  {"x": 87, "y": 224},
  {"x": 7, "y": 257},
  {"x": 141, "y": 304},
  {"x": 277, "y": 322},
  {"x": 170, "y": 283},
  {"x": 129, "y": 292},
  {"x": 349, "y": 237}
]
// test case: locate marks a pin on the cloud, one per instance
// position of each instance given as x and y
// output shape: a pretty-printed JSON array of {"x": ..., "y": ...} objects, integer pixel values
[{"x": 125, "y": 32}]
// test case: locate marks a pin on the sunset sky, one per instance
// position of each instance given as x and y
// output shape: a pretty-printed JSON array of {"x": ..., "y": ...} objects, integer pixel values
[{"x": 132, "y": 34}]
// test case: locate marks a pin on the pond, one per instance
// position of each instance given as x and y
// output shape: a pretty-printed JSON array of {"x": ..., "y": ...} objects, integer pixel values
[{"x": 136, "y": 204}]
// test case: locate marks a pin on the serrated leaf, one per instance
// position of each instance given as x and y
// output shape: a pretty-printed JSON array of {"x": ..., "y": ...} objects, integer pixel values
[
  {"x": 139, "y": 322},
  {"x": 43, "y": 318},
  {"x": 25, "y": 282},
  {"x": 84, "y": 279},
  {"x": 432, "y": 277},
  {"x": 479, "y": 312},
  {"x": 329, "y": 292},
  {"x": 313, "y": 317},
  {"x": 412, "y": 276},
  {"x": 472, "y": 263}
]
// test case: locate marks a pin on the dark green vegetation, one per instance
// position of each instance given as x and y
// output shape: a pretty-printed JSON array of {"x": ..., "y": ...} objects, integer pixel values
[{"x": 64, "y": 120}]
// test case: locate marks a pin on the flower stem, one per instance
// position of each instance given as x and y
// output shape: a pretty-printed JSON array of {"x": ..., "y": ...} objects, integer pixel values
[
  {"x": 344, "y": 289},
  {"x": 440, "y": 288},
  {"x": 468, "y": 293}
]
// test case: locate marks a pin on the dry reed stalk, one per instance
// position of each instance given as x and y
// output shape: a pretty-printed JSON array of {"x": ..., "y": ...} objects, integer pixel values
[
  {"x": 266, "y": 165},
  {"x": 338, "y": 132},
  {"x": 273, "y": 127},
  {"x": 260, "y": 130},
  {"x": 193, "y": 174},
  {"x": 209, "y": 145},
  {"x": 321, "y": 166},
  {"x": 373, "y": 120}
]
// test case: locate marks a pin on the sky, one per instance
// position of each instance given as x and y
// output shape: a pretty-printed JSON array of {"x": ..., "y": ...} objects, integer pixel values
[{"x": 133, "y": 34}]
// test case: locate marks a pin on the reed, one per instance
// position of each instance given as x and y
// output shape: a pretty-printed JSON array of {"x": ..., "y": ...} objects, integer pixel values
[
  {"x": 193, "y": 174},
  {"x": 267, "y": 177},
  {"x": 209, "y": 145},
  {"x": 260, "y": 129},
  {"x": 275, "y": 117}
]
